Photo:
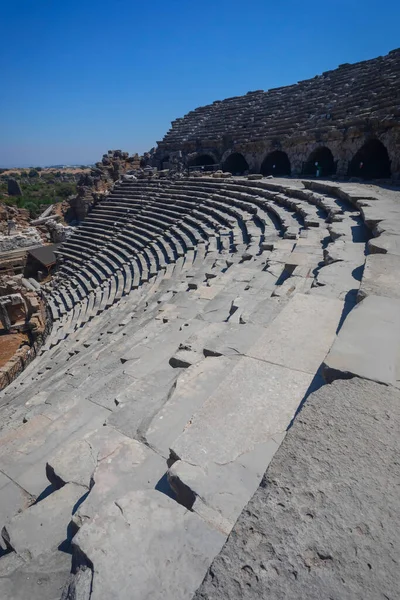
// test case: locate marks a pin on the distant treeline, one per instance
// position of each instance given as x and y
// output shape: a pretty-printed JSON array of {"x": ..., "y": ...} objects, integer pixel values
[{"x": 38, "y": 188}]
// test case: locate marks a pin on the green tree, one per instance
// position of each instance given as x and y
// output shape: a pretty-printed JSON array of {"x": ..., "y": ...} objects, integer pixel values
[
  {"x": 33, "y": 209},
  {"x": 33, "y": 173}
]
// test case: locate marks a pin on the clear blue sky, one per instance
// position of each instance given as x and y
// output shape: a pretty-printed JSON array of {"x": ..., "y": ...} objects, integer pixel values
[{"x": 80, "y": 77}]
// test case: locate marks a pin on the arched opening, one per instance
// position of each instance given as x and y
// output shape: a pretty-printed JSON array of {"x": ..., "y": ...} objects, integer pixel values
[
  {"x": 236, "y": 164},
  {"x": 202, "y": 160},
  {"x": 165, "y": 163},
  {"x": 320, "y": 163},
  {"x": 371, "y": 161},
  {"x": 276, "y": 163}
]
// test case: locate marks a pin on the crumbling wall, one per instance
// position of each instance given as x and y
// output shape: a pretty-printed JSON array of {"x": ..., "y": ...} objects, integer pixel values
[{"x": 93, "y": 186}]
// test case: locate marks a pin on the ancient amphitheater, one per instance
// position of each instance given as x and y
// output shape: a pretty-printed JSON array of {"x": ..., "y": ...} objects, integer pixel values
[{"x": 216, "y": 410}]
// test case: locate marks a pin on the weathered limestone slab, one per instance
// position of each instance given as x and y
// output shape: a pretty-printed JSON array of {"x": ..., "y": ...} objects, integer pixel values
[
  {"x": 264, "y": 312},
  {"x": 23, "y": 452},
  {"x": 231, "y": 340},
  {"x": 136, "y": 406},
  {"x": 193, "y": 387},
  {"x": 220, "y": 491},
  {"x": 42, "y": 578},
  {"x": 145, "y": 545},
  {"x": 368, "y": 344},
  {"x": 381, "y": 276},
  {"x": 43, "y": 526},
  {"x": 301, "y": 335},
  {"x": 324, "y": 521},
  {"x": 76, "y": 461},
  {"x": 386, "y": 243},
  {"x": 132, "y": 466},
  {"x": 253, "y": 404},
  {"x": 13, "y": 499},
  {"x": 336, "y": 280},
  {"x": 341, "y": 250}
]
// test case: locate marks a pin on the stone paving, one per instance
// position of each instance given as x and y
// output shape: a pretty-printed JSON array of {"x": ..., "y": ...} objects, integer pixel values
[{"x": 186, "y": 337}]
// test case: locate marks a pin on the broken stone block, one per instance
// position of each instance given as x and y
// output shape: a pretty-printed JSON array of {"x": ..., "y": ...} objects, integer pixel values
[
  {"x": 43, "y": 526},
  {"x": 75, "y": 462},
  {"x": 169, "y": 563},
  {"x": 131, "y": 466},
  {"x": 301, "y": 335},
  {"x": 381, "y": 276},
  {"x": 368, "y": 343}
]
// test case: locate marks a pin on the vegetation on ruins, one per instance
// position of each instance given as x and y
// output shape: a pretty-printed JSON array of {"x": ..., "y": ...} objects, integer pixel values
[{"x": 38, "y": 188}]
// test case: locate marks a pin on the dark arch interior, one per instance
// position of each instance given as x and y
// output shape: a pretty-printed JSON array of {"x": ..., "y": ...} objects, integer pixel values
[
  {"x": 320, "y": 162},
  {"x": 236, "y": 164},
  {"x": 165, "y": 162},
  {"x": 276, "y": 163},
  {"x": 371, "y": 161},
  {"x": 202, "y": 160}
]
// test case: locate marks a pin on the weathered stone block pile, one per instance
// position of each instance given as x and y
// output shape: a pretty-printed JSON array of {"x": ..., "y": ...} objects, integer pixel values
[{"x": 194, "y": 317}]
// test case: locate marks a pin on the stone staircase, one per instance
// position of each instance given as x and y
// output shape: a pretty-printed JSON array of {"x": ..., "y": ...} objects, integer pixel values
[{"x": 194, "y": 316}]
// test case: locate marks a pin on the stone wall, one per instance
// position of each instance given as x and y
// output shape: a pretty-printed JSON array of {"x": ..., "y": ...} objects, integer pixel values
[
  {"x": 341, "y": 109},
  {"x": 94, "y": 185}
]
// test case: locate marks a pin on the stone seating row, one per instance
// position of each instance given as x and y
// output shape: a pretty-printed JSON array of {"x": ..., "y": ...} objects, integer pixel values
[
  {"x": 156, "y": 381},
  {"x": 340, "y": 428},
  {"x": 112, "y": 260},
  {"x": 267, "y": 111}
]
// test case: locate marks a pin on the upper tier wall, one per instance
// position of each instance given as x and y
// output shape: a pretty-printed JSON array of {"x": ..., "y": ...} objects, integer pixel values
[{"x": 341, "y": 109}]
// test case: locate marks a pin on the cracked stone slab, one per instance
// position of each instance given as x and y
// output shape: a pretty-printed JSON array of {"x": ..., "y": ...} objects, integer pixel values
[
  {"x": 76, "y": 461},
  {"x": 368, "y": 344},
  {"x": 218, "y": 492},
  {"x": 338, "y": 279},
  {"x": 145, "y": 545},
  {"x": 194, "y": 386},
  {"x": 301, "y": 335},
  {"x": 386, "y": 243},
  {"x": 137, "y": 405},
  {"x": 13, "y": 499},
  {"x": 131, "y": 466},
  {"x": 323, "y": 523},
  {"x": 381, "y": 276},
  {"x": 43, "y": 526},
  {"x": 253, "y": 404},
  {"x": 24, "y": 451}
]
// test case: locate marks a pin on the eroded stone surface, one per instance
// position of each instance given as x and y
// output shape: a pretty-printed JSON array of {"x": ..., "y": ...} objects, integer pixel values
[
  {"x": 145, "y": 545},
  {"x": 323, "y": 523},
  {"x": 41, "y": 578},
  {"x": 368, "y": 344},
  {"x": 43, "y": 526},
  {"x": 381, "y": 276}
]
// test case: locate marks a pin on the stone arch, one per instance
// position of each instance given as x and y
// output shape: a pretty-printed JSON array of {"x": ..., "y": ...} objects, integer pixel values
[
  {"x": 320, "y": 162},
  {"x": 276, "y": 163},
  {"x": 202, "y": 160},
  {"x": 236, "y": 164},
  {"x": 371, "y": 161}
]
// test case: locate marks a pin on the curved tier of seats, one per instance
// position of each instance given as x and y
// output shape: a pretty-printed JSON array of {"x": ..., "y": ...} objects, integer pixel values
[
  {"x": 193, "y": 325},
  {"x": 372, "y": 88}
]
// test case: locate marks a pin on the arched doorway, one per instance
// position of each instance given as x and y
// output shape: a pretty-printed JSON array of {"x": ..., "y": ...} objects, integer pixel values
[
  {"x": 236, "y": 164},
  {"x": 202, "y": 160},
  {"x": 276, "y": 163},
  {"x": 165, "y": 163},
  {"x": 320, "y": 163},
  {"x": 371, "y": 161}
]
